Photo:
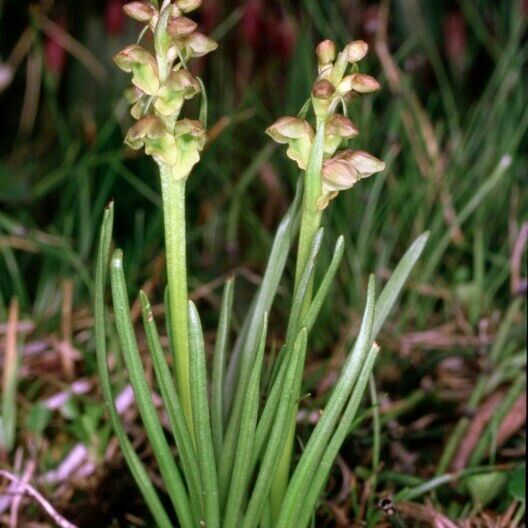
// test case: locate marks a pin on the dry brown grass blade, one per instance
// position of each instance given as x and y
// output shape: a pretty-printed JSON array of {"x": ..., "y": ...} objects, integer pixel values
[
  {"x": 70, "y": 44},
  {"x": 10, "y": 357},
  {"x": 519, "y": 284},
  {"x": 514, "y": 420},
  {"x": 27, "y": 489},
  {"x": 32, "y": 93},
  {"x": 17, "y": 499},
  {"x": 424, "y": 513},
  {"x": 65, "y": 350}
]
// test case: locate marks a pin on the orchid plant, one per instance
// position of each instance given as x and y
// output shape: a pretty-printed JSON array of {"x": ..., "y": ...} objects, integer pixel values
[{"x": 232, "y": 463}]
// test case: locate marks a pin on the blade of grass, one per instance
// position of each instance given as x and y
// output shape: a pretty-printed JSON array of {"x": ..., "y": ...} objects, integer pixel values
[
  {"x": 10, "y": 365},
  {"x": 500, "y": 170},
  {"x": 202, "y": 420},
  {"x": 241, "y": 469},
  {"x": 266, "y": 419},
  {"x": 324, "y": 287},
  {"x": 147, "y": 410},
  {"x": 486, "y": 443},
  {"x": 278, "y": 435},
  {"x": 217, "y": 381},
  {"x": 303, "y": 288},
  {"x": 171, "y": 400},
  {"x": 246, "y": 345},
  {"x": 479, "y": 390},
  {"x": 317, "y": 483},
  {"x": 392, "y": 289},
  {"x": 274, "y": 269},
  {"x": 134, "y": 463},
  {"x": 305, "y": 470},
  {"x": 376, "y": 445}
]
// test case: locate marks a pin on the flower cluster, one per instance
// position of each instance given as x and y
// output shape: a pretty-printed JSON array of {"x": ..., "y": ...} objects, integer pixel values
[
  {"x": 161, "y": 83},
  {"x": 338, "y": 80}
]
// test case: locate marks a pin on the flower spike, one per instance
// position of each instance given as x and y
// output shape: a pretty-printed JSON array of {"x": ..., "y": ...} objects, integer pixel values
[
  {"x": 161, "y": 84},
  {"x": 338, "y": 79}
]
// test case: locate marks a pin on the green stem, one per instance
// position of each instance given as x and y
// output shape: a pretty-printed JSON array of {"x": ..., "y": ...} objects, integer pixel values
[
  {"x": 173, "y": 195},
  {"x": 310, "y": 223}
]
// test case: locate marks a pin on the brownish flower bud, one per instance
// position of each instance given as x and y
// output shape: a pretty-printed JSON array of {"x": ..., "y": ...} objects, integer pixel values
[
  {"x": 357, "y": 50},
  {"x": 338, "y": 175},
  {"x": 198, "y": 45},
  {"x": 181, "y": 27},
  {"x": 338, "y": 127},
  {"x": 326, "y": 52},
  {"x": 150, "y": 133},
  {"x": 146, "y": 128},
  {"x": 359, "y": 82},
  {"x": 186, "y": 6},
  {"x": 323, "y": 89},
  {"x": 181, "y": 85},
  {"x": 287, "y": 128},
  {"x": 365, "y": 164},
  {"x": 141, "y": 11}
]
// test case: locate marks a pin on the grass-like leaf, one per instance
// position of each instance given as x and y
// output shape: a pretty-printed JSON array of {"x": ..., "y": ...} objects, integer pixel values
[
  {"x": 182, "y": 436},
  {"x": 392, "y": 289},
  {"x": 11, "y": 363},
  {"x": 324, "y": 287},
  {"x": 322, "y": 433},
  {"x": 326, "y": 462},
  {"x": 219, "y": 361},
  {"x": 246, "y": 346},
  {"x": 125, "y": 331},
  {"x": 267, "y": 417},
  {"x": 242, "y": 468},
  {"x": 303, "y": 288},
  {"x": 278, "y": 434},
  {"x": 202, "y": 419},
  {"x": 134, "y": 463}
]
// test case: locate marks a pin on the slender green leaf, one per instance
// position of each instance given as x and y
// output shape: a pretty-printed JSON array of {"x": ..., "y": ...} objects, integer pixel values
[
  {"x": 11, "y": 365},
  {"x": 278, "y": 435},
  {"x": 326, "y": 462},
  {"x": 517, "y": 484},
  {"x": 217, "y": 391},
  {"x": 303, "y": 288},
  {"x": 171, "y": 400},
  {"x": 246, "y": 346},
  {"x": 266, "y": 420},
  {"x": 147, "y": 410},
  {"x": 136, "y": 467},
  {"x": 322, "y": 433},
  {"x": 202, "y": 420},
  {"x": 241, "y": 469},
  {"x": 284, "y": 237},
  {"x": 392, "y": 289},
  {"x": 322, "y": 291}
]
